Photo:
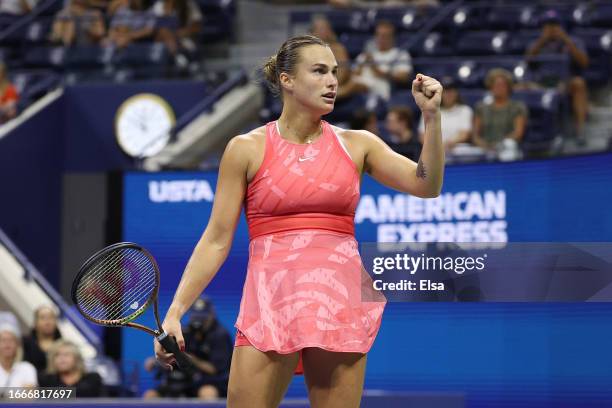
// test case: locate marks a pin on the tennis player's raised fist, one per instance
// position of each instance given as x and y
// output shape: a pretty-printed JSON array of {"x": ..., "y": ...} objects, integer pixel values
[{"x": 427, "y": 92}]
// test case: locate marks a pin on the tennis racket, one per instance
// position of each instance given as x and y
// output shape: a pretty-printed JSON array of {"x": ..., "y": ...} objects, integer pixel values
[{"x": 116, "y": 285}]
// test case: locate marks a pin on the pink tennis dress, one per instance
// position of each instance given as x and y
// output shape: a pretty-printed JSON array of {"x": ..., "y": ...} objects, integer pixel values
[{"x": 305, "y": 284}]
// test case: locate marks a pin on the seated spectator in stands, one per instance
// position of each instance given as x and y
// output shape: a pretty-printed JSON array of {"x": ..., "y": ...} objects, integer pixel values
[
  {"x": 16, "y": 7},
  {"x": 210, "y": 346},
  {"x": 383, "y": 65},
  {"x": 554, "y": 40},
  {"x": 501, "y": 119},
  {"x": 66, "y": 368},
  {"x": 322, "y": 28},
  {"x": 13, "y": 371},
  {"x": 402, "y": 139},
  {"x": 8, "y": 96},
  {"x": 365, "y": 119},
  {"x": 78, "y": 24},
  {"x": 179, "y": 23},
  {"x": 43, "y": 336},
  {"x": 130, "y": 22},
  {"x": 456, "y": 117}
]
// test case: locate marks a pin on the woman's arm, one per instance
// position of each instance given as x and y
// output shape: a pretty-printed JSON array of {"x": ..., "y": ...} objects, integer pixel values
[
  {"x": 520, "y": 123},
  {"x": 422, "y": 179},
  {"x": 214, "y": 245}
]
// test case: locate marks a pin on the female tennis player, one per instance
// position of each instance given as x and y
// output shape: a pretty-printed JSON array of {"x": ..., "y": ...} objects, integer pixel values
[{"x": 306, "y": 302}]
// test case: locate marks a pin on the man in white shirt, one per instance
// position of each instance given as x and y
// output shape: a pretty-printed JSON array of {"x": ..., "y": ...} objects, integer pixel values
[
  {"x": 456, "y": 117},
  {"x": 14, "y": 373},
  {"x": 385, "y": 64}
]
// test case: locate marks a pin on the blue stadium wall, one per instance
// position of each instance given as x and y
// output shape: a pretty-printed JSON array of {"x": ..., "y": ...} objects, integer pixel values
[{"x": 499, "y": 354}]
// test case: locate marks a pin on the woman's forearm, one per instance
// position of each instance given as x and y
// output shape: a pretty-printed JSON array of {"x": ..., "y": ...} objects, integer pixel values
[{"x": 430, "y": 168}]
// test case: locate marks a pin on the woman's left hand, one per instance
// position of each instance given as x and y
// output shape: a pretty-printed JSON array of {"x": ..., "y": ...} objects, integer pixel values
[{"x": 427, "y": 93}]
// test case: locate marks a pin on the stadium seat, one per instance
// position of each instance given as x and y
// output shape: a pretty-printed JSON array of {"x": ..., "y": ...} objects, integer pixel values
[
  {"x": 483, "y": 43},
  {"x": 511, "y": 17},
  {"x": 141, "y": 54},
  {"x": 354, "y": 42},
  {"x": 45, "y": 57}
]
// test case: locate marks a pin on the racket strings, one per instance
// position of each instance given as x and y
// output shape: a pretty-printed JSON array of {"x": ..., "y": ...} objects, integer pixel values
[
  {"x": 119, "y": 297},
  {"x": 94, "y": 303},
  {"x": 117, "y": 286}
]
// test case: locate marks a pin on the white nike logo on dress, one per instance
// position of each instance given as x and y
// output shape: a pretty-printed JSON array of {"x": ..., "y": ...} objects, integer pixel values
[{"x": 304, "y": 158}]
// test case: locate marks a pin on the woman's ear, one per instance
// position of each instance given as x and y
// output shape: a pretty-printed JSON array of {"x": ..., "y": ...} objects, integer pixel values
[{"x": 285, "y": 81}]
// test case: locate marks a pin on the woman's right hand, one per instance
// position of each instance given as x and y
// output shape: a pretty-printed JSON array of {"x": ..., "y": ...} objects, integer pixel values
[{"x": 172, "y": 326}]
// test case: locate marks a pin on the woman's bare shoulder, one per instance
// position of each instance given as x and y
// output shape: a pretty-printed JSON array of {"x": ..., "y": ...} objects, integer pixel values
[
  {"x": 354, "y": 136},
  {"x": 247, "y": 142}
]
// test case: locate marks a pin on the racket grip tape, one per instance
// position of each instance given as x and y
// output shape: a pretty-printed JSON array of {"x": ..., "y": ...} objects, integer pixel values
[{"x": 170, "y": 345}]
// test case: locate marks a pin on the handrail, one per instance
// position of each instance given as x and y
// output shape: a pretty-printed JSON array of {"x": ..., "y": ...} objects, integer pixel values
[
  {"x": 28, "y": 18},
  {"x": 434, "y": 21},
  {"x": 31, "y": 273},
  {"x": 208, "y": 102}
]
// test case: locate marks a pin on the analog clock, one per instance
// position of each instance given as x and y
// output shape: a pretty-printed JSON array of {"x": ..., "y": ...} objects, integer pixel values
[{"x": 142, "y": 125}]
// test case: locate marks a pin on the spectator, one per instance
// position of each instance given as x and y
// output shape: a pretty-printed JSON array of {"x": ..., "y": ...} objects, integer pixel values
[
  {"x": 384, "y": 65},
  {"x": 501, "y": 119},
  {"x": 365, "y": 119},
  {"x": 210, "y": 346},
  {"x": 66, "y": 368},
  {"x": 13, "y": 371},
  {"x": 8, "y": 96},
  {"x": 16, "y": 7},
  {"x": 78, "y": 25},
  {"x": 456, "y": 117},
  {"x": 554, "y": 40},
  {"x": 180, "y": 22},
  {"x": 130, "y": 23},
  {"x": 399, "y": 125},
  {"x": 322, "y": 28},
  {"x": 42, "y": 337}
]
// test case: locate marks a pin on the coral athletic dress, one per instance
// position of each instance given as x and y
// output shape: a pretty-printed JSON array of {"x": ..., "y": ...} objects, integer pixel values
[{"x": 305, "y": 283}]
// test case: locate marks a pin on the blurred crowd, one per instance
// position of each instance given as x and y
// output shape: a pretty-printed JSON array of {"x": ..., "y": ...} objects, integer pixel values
[
  {"x": 42, "y": 357},
  {"x": 494, "y": 127}
]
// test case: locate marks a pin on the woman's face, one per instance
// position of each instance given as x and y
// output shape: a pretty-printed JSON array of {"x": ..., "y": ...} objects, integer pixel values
[
  {"x": 449, "y": 97},
  {"x": 499, "y": 88},
  {"x": 8, "y": 345},
  {"x": 65, "y": 360},
  {"x": 314, "y": 83},
  {"x": 46, "y": 322}
]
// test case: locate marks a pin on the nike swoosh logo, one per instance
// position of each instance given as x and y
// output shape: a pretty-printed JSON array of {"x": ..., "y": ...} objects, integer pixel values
[{"x": 304, "y": 158}]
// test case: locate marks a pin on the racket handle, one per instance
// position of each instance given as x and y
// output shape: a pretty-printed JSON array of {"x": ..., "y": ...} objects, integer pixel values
[{"x": 185, "y": 364}]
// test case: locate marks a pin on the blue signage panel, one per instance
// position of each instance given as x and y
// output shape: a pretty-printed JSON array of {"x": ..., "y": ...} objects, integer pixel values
[{"x": 535, "y": 354}]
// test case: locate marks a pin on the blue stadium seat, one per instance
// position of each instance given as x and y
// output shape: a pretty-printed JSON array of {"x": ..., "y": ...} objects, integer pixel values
[
  {"x": 85, "y": 57},
  {"x": 354, "y": 42},
  {"x": 38, "y": 31},
  {"x": 45, "y": 57},
  {"x": 511, "y": 17},
  {"x": 598, "y": 14},
  {"x": 521, "y": 41},
  {"x": 346, "y": 21},
  {"x": 466, "y": 17},
  {"x": 142, "y": 54},
  {"x": 434, "y": 44},
  {"x": 483, "y": 43},
  {"x": 405, "y": 18}
]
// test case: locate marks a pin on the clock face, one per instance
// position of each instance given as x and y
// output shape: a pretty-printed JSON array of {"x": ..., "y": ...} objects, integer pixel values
[{"x": 143, "y": 124}]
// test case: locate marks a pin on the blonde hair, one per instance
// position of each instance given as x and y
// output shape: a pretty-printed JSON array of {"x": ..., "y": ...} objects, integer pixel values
[
  {"x": 54, "y": 350},
  {"x": 499, "y": 72}
]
